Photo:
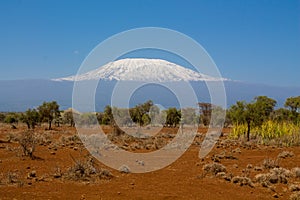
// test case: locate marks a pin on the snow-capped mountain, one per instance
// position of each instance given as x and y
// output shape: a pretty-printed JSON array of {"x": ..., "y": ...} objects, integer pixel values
[
  {"x": 19, "y": 95},
  {"x": 137, "y": 69}
]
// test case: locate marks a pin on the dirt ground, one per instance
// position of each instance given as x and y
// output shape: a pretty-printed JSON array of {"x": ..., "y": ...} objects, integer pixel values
[{"x": 183, "y": 179}]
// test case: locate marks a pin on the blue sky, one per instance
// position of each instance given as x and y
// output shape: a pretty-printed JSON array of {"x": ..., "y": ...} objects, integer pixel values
[{"x": 250, "y": 40}]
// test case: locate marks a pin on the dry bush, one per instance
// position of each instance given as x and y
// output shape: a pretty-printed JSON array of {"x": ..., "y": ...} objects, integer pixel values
[
  {"x": 242, "y": 180},
  {"x": 44, "y": 139},
  {"x": 85, "y": 170},
  {"x": 295, "y": 196},
  {"x": 12, "y": 137},
  {"x": 296, "y": 172},
  {"x": 276, "y": 175},
  {"x": 11, "y": 178},
  {"x": 263, "y": 179},
  {"x": 282, "y": 174},
  {"x": 214, "y": 168},
  {"x": 294, "y": 188},
  {"x": 81, "y": 170},
  {"x": 285, "y": 154},
  {"x": 28, "y": 141},
  {"x": 269, "y": 163}
]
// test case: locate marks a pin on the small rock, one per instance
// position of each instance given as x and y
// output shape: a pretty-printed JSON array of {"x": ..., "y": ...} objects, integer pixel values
[
  {"x": 275, "y": 195},
  {"x": 235, "y": 166},
  {"x": 273, "y": 179},
  {"x": 258, "y": 168},
  {"x": 31, "y": 174},
  {"x": 294, "y": 188},
  {"x": 249, "y": 166},
  {"x": 124, "y": 169},
  {"x": 221, "y": 175}
]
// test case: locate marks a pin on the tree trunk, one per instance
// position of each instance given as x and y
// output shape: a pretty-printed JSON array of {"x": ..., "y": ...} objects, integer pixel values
[
  {"x": 248, "y": 130},
  {"x": 28, "y": 125},
  {"x": 50, "y": 122}
]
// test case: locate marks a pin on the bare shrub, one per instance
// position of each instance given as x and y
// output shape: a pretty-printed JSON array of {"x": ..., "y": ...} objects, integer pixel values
[
  {"x": 105, "y": 174},
  {"x": 11, "y": 178},
  {"x": 276, "y": 175},
  {"x": 85, "y": 170},
  {"x": 44, "y": 139},
  {"x": 296, "y": 172},
  {"x": 214, "y": 168},
  {"x": 11, "y": 137},
  {"x": 269, "y": 163},
  {"x": 81, "y": 170},
  {"x": 285, "y": 154},
  {"x": 294, "y": 187},
  {"x": 242, "y": 180},
  {"x": 282, "y": 174},
  {"x": 295, "y": 196},
  {"x": 262, "y": 179},
  {"x": 28, "y": 141}
]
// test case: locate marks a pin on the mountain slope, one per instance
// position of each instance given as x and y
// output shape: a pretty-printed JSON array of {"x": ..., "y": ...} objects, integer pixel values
[
  {"x": 135, "y": 69},
  {"x": 20, "y": 95}
]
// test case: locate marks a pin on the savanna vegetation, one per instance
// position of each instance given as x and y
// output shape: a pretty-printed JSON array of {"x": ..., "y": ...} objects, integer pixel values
[
  {"x": 45, "y": 136},
  {"x": 259, "y": 119}
]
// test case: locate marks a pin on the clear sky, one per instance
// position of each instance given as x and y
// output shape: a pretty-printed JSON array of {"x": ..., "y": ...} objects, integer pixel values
[{"x": 250, "y": 40}]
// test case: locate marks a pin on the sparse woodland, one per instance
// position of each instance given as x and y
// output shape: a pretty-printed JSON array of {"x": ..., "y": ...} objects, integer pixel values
[{"x": 257, "y": 151}]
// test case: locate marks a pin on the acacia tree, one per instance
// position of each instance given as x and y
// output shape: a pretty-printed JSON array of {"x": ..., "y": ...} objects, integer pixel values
[
  {"x": 252, "y": 114},
  {"x": 2, "y": 117},
  {"x": 293, "y": 103},
  {"x": 30, "y": 117},
  {"x": 173, "y": 117},
  {"x": 205, "y": 110},
  {"x": 108, "y": 116},
  {"x": 49, "y": 111},
  {"x": 69, "y": 115},
  {"x": 281, "y": 114},
  {"x": 12, "y": 119},
  {"x": 140, "y": 113}
]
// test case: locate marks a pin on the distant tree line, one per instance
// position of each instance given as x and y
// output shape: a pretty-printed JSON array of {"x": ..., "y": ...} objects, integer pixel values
[{"x": 253, "y": 114}]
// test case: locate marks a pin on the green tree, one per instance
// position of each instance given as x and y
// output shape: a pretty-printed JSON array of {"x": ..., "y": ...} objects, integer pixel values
[
  {"x": 48, "y": 112},
  {"x": 69, "y": 115},
  {"x": 88, "y": 119},
  {"x": 281, "y": 114},
  {"x": 12, "y": 119},
  {"x": 253, "y": 114},
  {"x": 173, "y": 117},
  {"x": 30, "y": 118},
  {"x": 293, "y": 103},
  {"x": 108, "y": 116},
  {"x": 264, "y": 106},
  {"x": 122, "y": 116},
  {"x": 154, "y": 114},
  {"x": 140, "y": 112},
  {"x": 189, "y": 116},
  {"x": 205, "y": 113},
  {"x": 2, "y": 117}
]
